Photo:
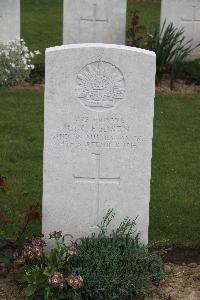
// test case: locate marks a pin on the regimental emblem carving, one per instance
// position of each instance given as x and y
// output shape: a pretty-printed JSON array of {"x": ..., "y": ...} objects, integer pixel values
[{"x": 100, "y": 85}]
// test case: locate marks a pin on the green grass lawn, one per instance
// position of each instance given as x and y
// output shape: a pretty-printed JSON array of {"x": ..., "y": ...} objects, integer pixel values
[
  {"x": 175, "y": 189},
  {"x": 41, "y": 21},
  {"x": 21, "y": 142}
]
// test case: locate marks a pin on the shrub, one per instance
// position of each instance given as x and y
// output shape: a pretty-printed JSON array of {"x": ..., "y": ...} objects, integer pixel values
[
  {"x": 116, "y": 266},
  {"x": 102, "y": 266},
  {"x": 171, "y": 50},
  {"x": 15, "y": 62}
]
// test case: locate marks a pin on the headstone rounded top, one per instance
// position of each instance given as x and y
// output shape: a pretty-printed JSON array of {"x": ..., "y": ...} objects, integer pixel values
[{"x": 100, "y": 45}]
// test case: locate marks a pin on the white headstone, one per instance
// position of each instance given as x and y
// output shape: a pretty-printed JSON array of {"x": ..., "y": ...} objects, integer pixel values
[
  {"x": 9, "y": 20},
  {"x": 96, "y": 21},
  {"x": 183, "y": 14},
  {"x": 99, "y": 107}
]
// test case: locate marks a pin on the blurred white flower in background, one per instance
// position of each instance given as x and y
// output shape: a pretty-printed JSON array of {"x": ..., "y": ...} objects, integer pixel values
[{"x": 15, "y": 62}]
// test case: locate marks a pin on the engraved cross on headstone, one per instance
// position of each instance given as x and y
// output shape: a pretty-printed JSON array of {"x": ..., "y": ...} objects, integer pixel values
[
  {"x": 94, "y": 20},
  {"x": 192, "y": 21},
  {"x": 97, "y": 179}
]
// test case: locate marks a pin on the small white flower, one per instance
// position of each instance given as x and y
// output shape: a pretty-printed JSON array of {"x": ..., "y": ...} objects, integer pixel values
[
  {"x": 12, "y": 65},
  {"x": 32, "y": 55},
  {"x": 17, "y": 61},
  {"x": 37, "y": 52}
]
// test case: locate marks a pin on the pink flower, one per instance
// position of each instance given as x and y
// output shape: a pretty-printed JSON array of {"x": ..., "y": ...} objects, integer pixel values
[
  {"x": 75, "y": 281},
  {"x": 72, "y": 250},
  {"x": 57, "y": 280}
]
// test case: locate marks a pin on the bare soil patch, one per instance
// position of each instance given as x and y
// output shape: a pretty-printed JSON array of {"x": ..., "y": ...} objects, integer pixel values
[
  {"x": 180, "y": 87},
  {"x": 9, "y": 290},
  {"x": 27, "y": 85},
  {"x": 182, "y": 282}
]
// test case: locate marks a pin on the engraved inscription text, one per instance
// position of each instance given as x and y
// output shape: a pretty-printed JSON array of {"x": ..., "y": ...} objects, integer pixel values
[{"x": 99, "y": 132}]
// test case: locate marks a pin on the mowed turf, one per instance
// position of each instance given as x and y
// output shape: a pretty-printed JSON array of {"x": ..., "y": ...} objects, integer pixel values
[
  {"x": 21, "y": 142},
  {"x": 175, "y": 187},
  {"x": 42, "y": 21}
]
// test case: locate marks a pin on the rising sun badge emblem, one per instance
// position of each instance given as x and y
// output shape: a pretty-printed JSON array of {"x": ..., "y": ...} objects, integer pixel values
[{"x": 100, "y": 85}]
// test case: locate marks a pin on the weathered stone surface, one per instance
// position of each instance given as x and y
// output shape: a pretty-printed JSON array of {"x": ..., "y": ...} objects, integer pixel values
[
  {"x": 98, "y": 21},
  {"x": 9, "y": 20},
  {"x": 184, "y": 14},
  {"x": 99, "y": 107}
]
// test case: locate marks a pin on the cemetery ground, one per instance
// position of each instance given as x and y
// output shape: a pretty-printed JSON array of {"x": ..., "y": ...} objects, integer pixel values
[
  {"x": 175, "y": 183},
  {"x": 175, "y": 206}
]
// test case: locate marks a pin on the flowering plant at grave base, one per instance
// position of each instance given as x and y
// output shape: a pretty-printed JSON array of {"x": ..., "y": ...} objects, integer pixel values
[
  {"x": 15, "y": 62},
  {"x": 100, "y": 266},
  {"x": 49, "y": 275}
]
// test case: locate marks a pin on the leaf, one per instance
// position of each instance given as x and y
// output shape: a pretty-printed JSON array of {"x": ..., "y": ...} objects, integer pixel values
[
  {"x": 30, "y": 290},
  {"x": 3, "y": 243},
  {"x": 47, "y": 273},
  {"x": 21, "y": 276},
  {"x": 4, "y": 259},
  {"x": 8, "y": 253}
]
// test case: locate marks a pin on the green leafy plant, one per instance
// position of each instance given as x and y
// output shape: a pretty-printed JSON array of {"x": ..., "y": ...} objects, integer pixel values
[
  {"x": 102, "y": 266},
  {"x": 50, "y": 274},
  {"x": 171, "y": 50},
  {"x": 116, "y": 265}
]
